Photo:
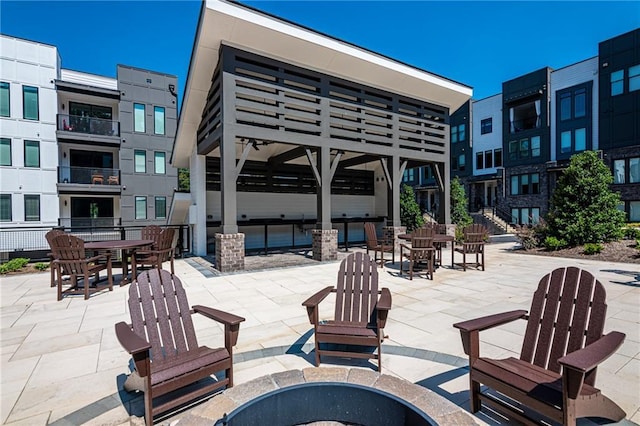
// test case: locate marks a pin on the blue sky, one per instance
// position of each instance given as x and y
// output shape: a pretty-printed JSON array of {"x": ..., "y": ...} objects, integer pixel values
[{"x": 477, "y": 43}]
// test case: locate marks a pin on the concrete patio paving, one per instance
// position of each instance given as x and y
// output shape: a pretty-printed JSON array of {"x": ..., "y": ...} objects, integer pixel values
[{"x": 61, "y": 362}]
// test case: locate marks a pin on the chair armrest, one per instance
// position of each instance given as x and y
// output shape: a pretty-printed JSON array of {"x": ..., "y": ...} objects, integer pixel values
[
  {"x": 589, "y": 357},
  {"x": 217, "y": 315},
  {"x": 315, "y": 300},
  {"x": 383, "y": 307},
  {"x": 129, "y": 340},
  {"x": 489, "y": 321},
  {"x": 106, "y": 256}
]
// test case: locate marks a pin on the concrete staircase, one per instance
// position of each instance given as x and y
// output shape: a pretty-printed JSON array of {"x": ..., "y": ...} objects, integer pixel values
[{"x": 494, "y": 224}]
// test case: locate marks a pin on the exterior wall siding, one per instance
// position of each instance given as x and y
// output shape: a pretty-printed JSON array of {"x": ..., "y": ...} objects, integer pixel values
[{"x": 490, "y": 107}]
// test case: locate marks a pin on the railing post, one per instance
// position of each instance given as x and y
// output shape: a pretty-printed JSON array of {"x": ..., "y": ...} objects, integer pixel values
[{"x": 123, "y": 233}]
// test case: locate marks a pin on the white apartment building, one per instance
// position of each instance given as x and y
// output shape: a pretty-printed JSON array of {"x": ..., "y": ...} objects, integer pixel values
[{"x": 487, "y": 147}]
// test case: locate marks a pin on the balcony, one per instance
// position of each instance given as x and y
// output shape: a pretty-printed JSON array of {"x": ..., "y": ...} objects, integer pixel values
[
  {"x": 90, "y": 129},
  {"x": 74, "y": 179},
  {"x": 86, "y": 224}
]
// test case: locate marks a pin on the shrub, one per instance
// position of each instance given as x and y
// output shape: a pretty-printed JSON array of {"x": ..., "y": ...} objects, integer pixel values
[
  {"x": 531, "y": 236},
  {"x": 40, "y": 266},
  {"x": 631, "y": 233},
  {"x": 593, "y": 248},
  {"x": 459, "y": 205},
  {"x": 410, "y": 214},
  {"x": 13, "y": 265},
  {"x": 553, "y": 243}
]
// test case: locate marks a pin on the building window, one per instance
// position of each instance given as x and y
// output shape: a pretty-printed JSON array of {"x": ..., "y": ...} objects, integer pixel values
[
  {"x": 488, "y": 159},
  {"x": 565, "y": 106},
  {"x": 634, "y": 211},
  {"x": 634, "y": 78},
  {"x": 634, "y": 170},
  {"x": 138, "y": 118},
  {"x": 141, "y": 208},
  {"x": 5, "y": 152},
  {"x": 458, "y": 133},
  {"x": 454, "y": 134},
  {"x": 525, "y": 215},
  {"x": 159, "y": 162},
  {"x": 479, "y": 161},
  {"x": 497, "y": 157},
  {"x": 524, "y": 148},
  {"x": 461, "y": 162},
  {"x": 5, "y": 208},
  {"x": 617, "y": 82},
  {"x": 572, "y": 104},
  {"x": 525, "y": 116},
  {"x": 30, "y": 103},
  {"x": 161, "y": 207},
  {"x": 618, "y": 171},
  {"x": 525, "y": 184},
  {"x": 580, "y": 139},
  {"x": 535, "y": 146},
  {"x": 32, "y": 208},
  {"x": 31, "y": 154},
  {"x": 565, "y": 141},
  {"x": 5, "y": 99},
  {"x": 140, "y": 161},
  {"x": 579, "y": 103},
  {"x": 486, "y": 126},
  {"x": 158, "y": 120}
]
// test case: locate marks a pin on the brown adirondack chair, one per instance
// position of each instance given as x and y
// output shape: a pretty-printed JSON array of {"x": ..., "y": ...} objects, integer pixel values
[
  {"x": 360, "y": 315},
  {"x": 162, "y": 251},
  {"x": 473, "y": 244},
  {"x": 378, "y": 245},
  {"x": 563, "y": 345},
  {"x": 421, "y": 250},
  {"x": 70, "y": 259},
  {"x": 49, "y": 236},
  {"x": 162, "y": 342}
]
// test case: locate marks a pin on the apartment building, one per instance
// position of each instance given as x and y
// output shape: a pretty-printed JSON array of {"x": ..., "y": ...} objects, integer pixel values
[
  {"x": 79, "y": 149},
  {"x": 522, "y": 139}
]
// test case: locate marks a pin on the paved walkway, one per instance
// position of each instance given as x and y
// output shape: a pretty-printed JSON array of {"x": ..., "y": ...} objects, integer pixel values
[{"x": 61, "y": 362}]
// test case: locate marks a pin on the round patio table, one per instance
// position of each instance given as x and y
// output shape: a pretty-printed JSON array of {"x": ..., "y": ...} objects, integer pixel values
[
  {"x": 128, "y": 248},
  {"x": 437, "y": 239}
]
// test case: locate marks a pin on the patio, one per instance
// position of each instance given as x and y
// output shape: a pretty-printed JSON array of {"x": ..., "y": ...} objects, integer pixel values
[{"x": 62, "y": 364}]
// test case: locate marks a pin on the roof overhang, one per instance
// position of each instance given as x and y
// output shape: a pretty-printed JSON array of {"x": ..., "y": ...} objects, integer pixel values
[{"x": 223, "y": 22}]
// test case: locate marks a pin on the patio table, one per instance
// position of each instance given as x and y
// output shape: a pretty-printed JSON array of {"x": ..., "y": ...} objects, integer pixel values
[
  {"x": 128, "y": 248},
  {"x": 437, "y": 239}
]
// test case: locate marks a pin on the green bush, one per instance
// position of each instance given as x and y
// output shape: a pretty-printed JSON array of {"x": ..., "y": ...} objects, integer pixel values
[
  {"x": 13, "y": 265},
  {"x": 631, "y": 233},
  {"x": 459, "y": 205},
  {"x": 40, "y": 266},
  {"x": 553, "y": 243},
  {"x": 410, "y": 214},
  {"x": 531, "y": 236},
  {"x": 593, "y": 248}
]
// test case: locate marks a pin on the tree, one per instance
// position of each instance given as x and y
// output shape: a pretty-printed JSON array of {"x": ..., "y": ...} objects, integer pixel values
[
  {"x": 459, "y": 205},
  {"x": 410, "y": 214},
  {"x": 183, "y": 180},
  {"x": 583, "y": 207}
]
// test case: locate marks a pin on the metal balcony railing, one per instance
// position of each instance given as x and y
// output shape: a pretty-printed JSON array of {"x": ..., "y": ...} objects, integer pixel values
[
  {"x": 88, "y": 175},
  {"x": 88, "y": 125},
  {"x": 89, "y": 222}
]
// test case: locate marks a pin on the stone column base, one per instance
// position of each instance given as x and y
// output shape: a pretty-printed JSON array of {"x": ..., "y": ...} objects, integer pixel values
[
  {"x": 391, "y": 233},
  {"x": 325, "y": 244},
  {"x": 230, "y": 252}
]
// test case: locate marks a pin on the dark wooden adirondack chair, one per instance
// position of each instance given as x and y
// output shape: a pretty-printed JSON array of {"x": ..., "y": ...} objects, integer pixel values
[
  {"x": 162, "y": 251},
  {"x": 378, "y": 245},
  {"x": 151, "y": 232},
  {"x": 163, "y": 344},
  {"x": 50, "y": 236},
  {"x": 438, "y": 228},
  {"x": 421, "y": 250},
  {"x": 473, "y": 244},
  {"x": 563, "y": 345},
  {"x": 360, "y": 315},
  {"x": 70, "y": 259}
]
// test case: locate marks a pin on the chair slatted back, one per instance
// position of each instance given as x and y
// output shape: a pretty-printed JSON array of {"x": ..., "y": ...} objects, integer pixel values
[
  {"x": 51, "y": 235},
  {"x": 356, "y": 289},
  {"x": 160, "y": 313},
  {"x": 70, "y": 249},
  {"x": 422, "y": 238},
  {"x": 370, "y": 232},
  {"x": 151, "y": 232},
  {"x": 567, "y": 313},
  {"x": 431, "y": 225},
  {"x": 164, "y": 241},
  {"x": 474, "y": 228}
]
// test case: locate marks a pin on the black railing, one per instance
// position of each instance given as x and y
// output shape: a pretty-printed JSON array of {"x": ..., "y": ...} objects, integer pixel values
[
  {"x": 88, "y": 222},
  {"x": 88, "y": 175},
  {"x": 88, "y": 125},
  {"x": 502, "y": 214}
]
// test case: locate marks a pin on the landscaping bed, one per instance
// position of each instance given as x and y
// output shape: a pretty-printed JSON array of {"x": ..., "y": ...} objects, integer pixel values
[{"x": 623, "y": 251}]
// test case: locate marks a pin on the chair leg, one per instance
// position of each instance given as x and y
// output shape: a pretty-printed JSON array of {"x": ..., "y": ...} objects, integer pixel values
[
  {"x": 86, "y": 286},
  {"x": 59, "y": 273},
  {"x": 464, "y": 260},
  {"x": 317, "y": 354},
  {"x": 474, "y": 391},
  {"x": 172, "y": 270},
  {"x": 110, "y": 276},
  {"x": 53, "y": 275},
  {"x": 482, "y": 255},
  {"x": 380, "y": 353},
  {"x": 148, "y": 408}
]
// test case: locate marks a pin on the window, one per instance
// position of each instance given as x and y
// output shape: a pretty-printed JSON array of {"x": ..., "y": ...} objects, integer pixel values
[
  {"x": 565, "y": 141},
  {"x": 5, "y": 99},
  {"x": 565, "y": 106},
  {"x": 458, "y": 133},
  {"x": 161, "y": 207},
  {"x": 580, "y": 139},
  {"x": 497, "y": 157},
  {"x": 535, "y": 146},
  {"x": 479, "y": 161},
  {"x": 5, "y": 152},
  {"x": 572, "y": 104},
  {"x": 5, "y": 208},
  {"x": 159, "y": 162},
  {"x": 579, "y": 103},
  {"x": 488, "y": 159},
  {"x": 618, "y": 171},
  {"x": 30, "y": 103},
  {"x": 634, "y": 78},
  {"x": 461, "y": 162},
  {"x": 140, "y": 161},
  {"x": 634, "y": 170},
  {"x": 454, "y": 134},
  {"x": 32, "y": 208},
  {"x": 141, "y": 207},
  {"x": 525, "y": 116},
  {"x": 486, "y": 126},
  {"x": 525, "y": 215},
  {"x": 525, "y": 184},
  {"x": 158, "y": 120},
  {"x": 617, "y": 82},
  {"x": 138, "y": 118},
  {"x": 31, "y": 154},
  {"x": 634, "y": 211},
  {"x": 524, "y": 148}
]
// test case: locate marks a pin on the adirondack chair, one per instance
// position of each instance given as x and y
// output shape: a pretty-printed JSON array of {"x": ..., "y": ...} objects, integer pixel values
[
  {"x": 70, "y": 259},
  {"x": 555, "y": 374},
  {"x": 421, "y": 250},
  {"x": 162, "y": 342},
  {"x": 378, "y": 245},
  {"x": 162, "y": 251},
  {"x": 49, "y": 236},
  {"x": 473, "y": 243},
  {"x": 360, "y": 315}
]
